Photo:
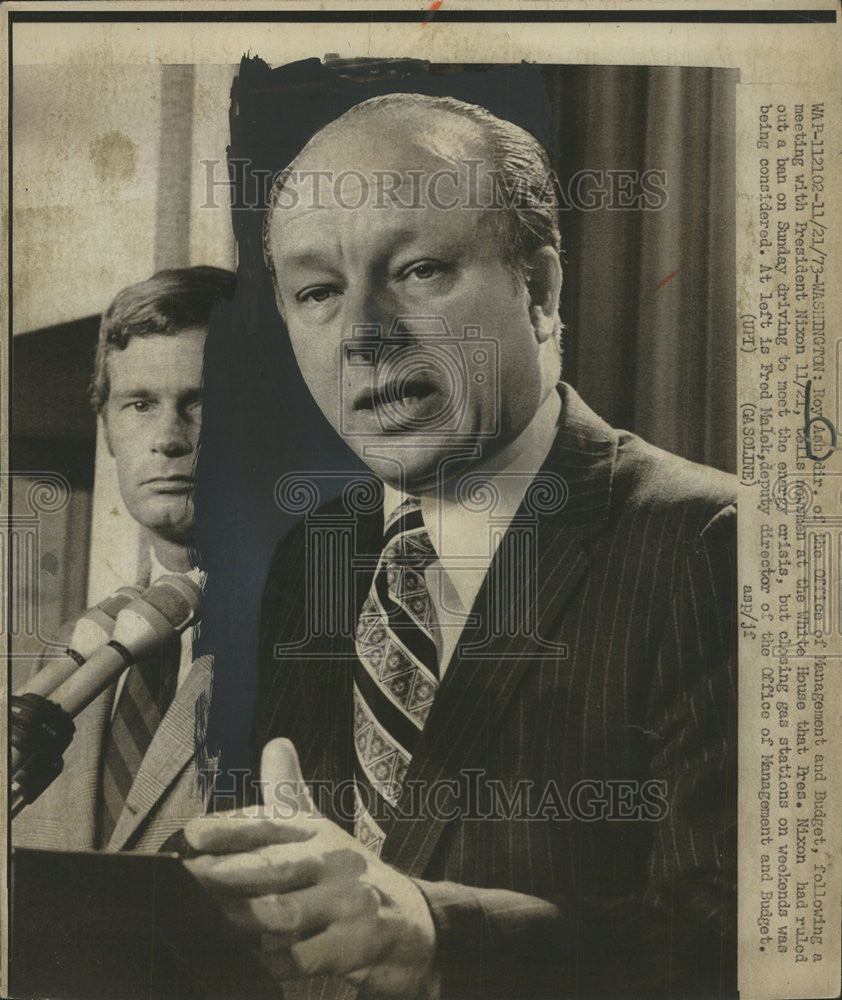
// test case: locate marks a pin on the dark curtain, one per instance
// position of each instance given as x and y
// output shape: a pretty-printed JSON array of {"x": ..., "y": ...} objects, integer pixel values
[{"x": 649, "y": 298}]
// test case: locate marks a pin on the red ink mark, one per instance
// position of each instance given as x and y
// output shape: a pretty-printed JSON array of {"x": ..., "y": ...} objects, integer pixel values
[
  {"x": 660, "y": 284},
  {"x": 433, "y": 7}
]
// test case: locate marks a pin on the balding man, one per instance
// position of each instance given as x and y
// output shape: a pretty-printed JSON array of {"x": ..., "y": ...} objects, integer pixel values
[{"x": 513, "y": 778}]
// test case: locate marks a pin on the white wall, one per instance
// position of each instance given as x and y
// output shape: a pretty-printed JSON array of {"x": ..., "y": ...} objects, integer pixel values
[
  {"x": 85, "y": 181},
  {"x": 99, "y": 203}
]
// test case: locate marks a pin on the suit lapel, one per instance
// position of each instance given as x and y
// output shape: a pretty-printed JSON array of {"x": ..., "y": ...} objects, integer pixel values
[
  {"x": 83, "y": 758},
  {"x": 322, "y": 725},
  {"x": 172, "y": 746},
  {"x": 567, "y": 503},
  {"x": 323, "y": 696},
  {"x": 367, "y": 549},
  {"x": 79, "y": 795}
]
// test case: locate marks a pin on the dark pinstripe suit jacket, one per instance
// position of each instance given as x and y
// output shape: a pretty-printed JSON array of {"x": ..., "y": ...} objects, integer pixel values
[{"x": 627, "y": 677}]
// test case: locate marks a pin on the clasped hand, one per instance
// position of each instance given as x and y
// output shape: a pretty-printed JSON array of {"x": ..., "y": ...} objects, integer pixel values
[{"x": 323, "y": 903}]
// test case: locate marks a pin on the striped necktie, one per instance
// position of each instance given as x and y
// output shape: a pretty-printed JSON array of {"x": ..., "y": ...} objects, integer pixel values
[
  {"x": 148, "y": 690},
  {"x": 396, "y": 676}
]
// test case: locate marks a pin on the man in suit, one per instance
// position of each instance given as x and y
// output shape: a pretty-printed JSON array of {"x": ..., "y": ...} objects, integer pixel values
[
  {"x": 130, "y": 774},
  {"x": 513, "y": 774}
]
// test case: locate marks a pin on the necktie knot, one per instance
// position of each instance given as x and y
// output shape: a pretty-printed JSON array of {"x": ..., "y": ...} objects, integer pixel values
[
  {"x": 409, "y": 509},
  {"x": 406, "y": 542},
  {"x": 413, "y": 551}
]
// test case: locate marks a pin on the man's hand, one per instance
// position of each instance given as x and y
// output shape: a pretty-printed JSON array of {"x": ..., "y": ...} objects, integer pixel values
[{"x": 324, "y": 903}]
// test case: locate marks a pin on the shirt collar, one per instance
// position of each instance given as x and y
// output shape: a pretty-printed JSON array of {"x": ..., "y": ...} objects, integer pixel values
[
  {"x": 465, "y": 530},
  {"x": 157, "y": 570}
]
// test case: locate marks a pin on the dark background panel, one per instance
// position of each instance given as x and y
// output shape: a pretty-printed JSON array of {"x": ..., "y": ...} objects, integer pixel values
[{"x": 53, "y": 424}]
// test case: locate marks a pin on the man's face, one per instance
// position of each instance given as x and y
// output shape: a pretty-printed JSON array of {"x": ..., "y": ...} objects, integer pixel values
[
  {"x": 152, "y": 420},
  {"x": 411, "y": 331}
]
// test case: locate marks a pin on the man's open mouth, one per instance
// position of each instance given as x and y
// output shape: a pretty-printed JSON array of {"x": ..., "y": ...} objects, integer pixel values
[{"x": 399, "y": 393}]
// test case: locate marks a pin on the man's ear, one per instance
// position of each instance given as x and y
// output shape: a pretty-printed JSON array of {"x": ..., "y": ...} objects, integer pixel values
[{"x": 544, "y": 287}]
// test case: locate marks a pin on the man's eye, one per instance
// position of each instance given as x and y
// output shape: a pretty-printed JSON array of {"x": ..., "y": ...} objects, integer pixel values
[
  {"x": 423, "y": 270},
  {"x": 316, "y": 295},
  {"x": 139, "y": 405}
]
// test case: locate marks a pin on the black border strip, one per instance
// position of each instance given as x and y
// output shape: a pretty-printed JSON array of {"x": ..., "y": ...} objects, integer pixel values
[{"x": 683, "y": 16}]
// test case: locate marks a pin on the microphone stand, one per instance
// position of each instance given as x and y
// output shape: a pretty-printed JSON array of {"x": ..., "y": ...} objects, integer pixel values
[
  {"x": 41, "y": 729},
  {"x": 40, "y": 732}
]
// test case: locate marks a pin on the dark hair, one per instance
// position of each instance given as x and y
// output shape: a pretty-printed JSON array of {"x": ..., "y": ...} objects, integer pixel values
[
  {"x": 519, "y": 162},
  {"x": 167, "y": 303}
]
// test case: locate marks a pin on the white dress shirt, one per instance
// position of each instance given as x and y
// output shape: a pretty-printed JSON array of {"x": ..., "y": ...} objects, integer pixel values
[{"x": 466, "y": 539}]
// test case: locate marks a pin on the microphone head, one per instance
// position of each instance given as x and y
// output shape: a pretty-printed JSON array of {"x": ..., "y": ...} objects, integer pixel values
[
  {"x": 94, "y": 627},
  {"x": 157, "y": 616},
  {"x": 114, "y": 603},
  {"x": 177, "y": 598}
]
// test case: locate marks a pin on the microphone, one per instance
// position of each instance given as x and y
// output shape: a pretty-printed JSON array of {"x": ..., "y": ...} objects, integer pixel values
[
  {"x": 91, "y": 631},
  {"x": 163, "y": 612},
  {"x": 42, "y": 728}
]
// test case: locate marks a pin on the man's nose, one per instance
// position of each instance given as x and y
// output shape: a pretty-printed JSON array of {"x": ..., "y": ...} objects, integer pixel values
[
  {"x": 369, "y": 313},
  {"x": 175, "y": 434}
]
